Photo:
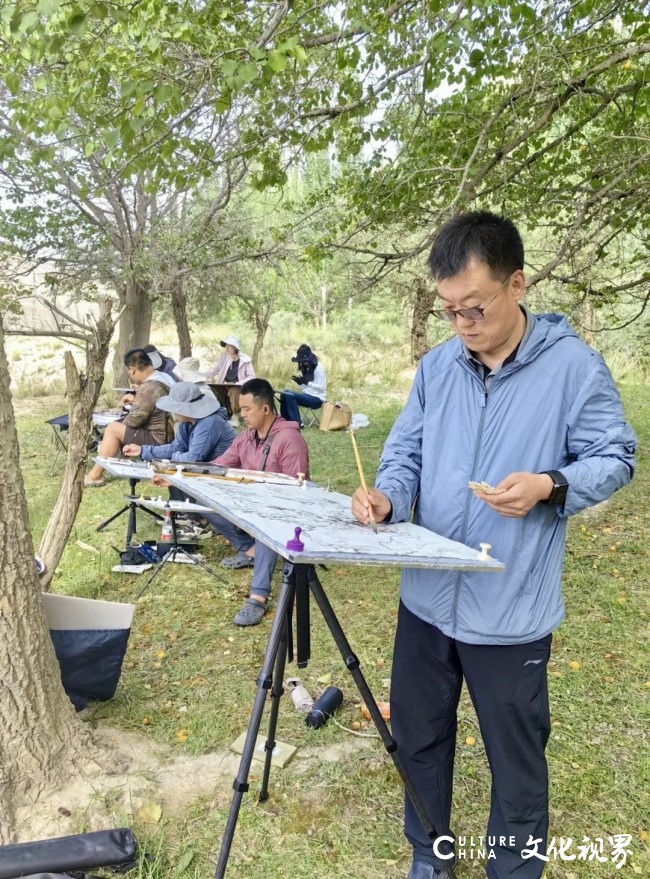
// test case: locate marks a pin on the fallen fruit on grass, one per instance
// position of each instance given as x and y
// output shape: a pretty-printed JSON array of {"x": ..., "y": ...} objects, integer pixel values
[
  {"x": 574, "y": 664},
  {"x": 384, "y": 710},
  {"x": 470, "y": 740}
]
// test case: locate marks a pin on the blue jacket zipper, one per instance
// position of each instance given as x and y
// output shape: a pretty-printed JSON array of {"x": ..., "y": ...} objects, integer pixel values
[{"x": 477, "y": 446}]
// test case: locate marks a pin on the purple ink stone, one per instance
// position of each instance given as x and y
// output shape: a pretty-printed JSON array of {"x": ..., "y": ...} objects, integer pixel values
[{"x": 296, "y": 543}]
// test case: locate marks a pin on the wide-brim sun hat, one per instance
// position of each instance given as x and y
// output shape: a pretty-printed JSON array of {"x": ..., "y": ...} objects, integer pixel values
[
  {"x": 188, "y": 370},
  {"x": 185, "y": 398},
  {"x": 235, "y": 341}
]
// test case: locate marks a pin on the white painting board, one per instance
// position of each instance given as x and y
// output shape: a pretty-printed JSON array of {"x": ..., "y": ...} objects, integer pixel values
[
  {"x": 164, "y": 503},
  {"x": 125, "y": 469},
  {"x": 330, "y": 533},
  {"x": 104, "y": 417}
]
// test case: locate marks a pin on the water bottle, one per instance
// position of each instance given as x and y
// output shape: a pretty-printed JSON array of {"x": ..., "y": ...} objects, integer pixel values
[
  {"x": 167, "y": 533},
  {"x": 324, "y": 707}
]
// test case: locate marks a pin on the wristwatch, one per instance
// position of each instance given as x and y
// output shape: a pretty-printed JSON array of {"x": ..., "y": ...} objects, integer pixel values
[{"x": 560, "y": 488}]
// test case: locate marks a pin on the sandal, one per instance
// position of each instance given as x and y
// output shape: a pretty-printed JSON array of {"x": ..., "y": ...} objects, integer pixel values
[
  {"x": 240, "y": 560},
  {"x": 251, "y": 613},
  {"x": 94, "y": 483}
]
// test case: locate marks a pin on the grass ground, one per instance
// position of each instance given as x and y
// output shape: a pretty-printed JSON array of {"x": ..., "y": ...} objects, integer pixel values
[{"x": 189, "y": 681}]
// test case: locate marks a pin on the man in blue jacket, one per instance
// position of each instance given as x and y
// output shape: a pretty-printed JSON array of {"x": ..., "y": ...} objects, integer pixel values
[
  {"x": 203, "y": 434},
  {"x": 516, "y": 401}
]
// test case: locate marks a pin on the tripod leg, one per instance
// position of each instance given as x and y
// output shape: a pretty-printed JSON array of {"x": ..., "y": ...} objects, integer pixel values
[
  {"x": 289, "y": 573},
  {"x": 112, "y": 518},
  {"x": 206, "y": 567},
  {"x": 240, "y": 784},
  {"x": 152, "y": 578},
  {"x": 352, "y": 664},
  {"x": 303, "y": 634},
  {"x": 131, "y": 528}
]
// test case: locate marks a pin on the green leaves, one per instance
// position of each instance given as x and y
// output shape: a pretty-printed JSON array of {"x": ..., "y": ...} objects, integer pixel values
[
  {"x": 277, "y": 61},
  {"x": 48, "y": 7},
  {"x": 247, "y": 72}
]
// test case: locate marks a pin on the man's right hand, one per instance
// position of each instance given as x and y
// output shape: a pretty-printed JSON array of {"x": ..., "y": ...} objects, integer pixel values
[
  {"x": 157, "y": 479},
  {"x": 131, "y": 450},
  {"x": 375, "y": 502}
]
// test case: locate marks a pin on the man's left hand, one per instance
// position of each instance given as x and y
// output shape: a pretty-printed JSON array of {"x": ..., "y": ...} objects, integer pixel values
[
  {"x": 157, "y": 479},
  {"x": 518, "y": 493}
]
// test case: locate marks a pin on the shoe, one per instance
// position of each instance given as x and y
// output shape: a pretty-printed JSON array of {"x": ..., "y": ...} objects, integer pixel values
[
  {"x": 202, "y": 532},
  {"x": 186, "y": 532},
  {"x": 251, "y": 613},
  {"x": 240, "y": 560},
  {"x": 425, "y": 870},
  {"x": 94, "y": 483},
  {"x": 192, "y": 528}
]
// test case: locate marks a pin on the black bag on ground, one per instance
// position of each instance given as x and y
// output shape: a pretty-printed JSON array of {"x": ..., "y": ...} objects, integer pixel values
[
  {"x": 103, "y": 848},
  {"x": 90, "y": 639}
]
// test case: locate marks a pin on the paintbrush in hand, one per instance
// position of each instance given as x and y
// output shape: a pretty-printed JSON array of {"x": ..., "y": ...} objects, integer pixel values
[{"x": 362, "y": 478}]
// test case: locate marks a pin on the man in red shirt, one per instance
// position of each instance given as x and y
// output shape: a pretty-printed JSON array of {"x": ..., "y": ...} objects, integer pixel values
[{"x": 269, "y": 443}]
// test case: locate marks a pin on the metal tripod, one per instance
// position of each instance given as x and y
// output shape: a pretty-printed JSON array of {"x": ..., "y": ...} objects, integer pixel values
[
  {"x": 297, "y": 582},
  {"x": 130, "y": 508}
]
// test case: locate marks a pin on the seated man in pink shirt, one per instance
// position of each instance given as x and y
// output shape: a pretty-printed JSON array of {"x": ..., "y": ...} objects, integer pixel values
[{"x": 269, "y": 443}]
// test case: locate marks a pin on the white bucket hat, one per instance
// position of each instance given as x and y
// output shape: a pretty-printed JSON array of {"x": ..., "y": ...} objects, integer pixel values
[
  {"x": 185, "y": 398},
  {"x": 187, "y": 370},
  {"x": 235, "y": 341}
]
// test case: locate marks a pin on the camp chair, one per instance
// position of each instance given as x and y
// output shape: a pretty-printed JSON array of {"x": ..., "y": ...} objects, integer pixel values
[
  {"x": 59, "y": 426},
  {"x": 309, "y": 417}
]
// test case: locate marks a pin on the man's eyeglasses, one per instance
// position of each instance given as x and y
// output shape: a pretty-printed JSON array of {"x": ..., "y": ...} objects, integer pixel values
[{"x": 476, "y": 313}]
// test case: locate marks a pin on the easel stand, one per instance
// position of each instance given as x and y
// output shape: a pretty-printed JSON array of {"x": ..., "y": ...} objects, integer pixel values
[
  {"x": 174, "y": 549},
  {"x": 131, "y": 509},
  {"x": 297, "y": 582}
]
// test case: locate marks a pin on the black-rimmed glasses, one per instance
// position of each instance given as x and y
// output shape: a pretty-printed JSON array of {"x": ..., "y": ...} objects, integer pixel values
[{"x": 476, "y": 313}]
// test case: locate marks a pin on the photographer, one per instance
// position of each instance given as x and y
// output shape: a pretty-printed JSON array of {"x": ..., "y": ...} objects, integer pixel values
[{"x": 312, "y": 380}]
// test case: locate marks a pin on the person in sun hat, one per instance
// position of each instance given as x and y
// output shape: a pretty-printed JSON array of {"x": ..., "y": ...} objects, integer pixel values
[
  {"x": 189, "y": 370},
  {"x": 229, "y": 373},
  {"x": 203, "y": 433}
]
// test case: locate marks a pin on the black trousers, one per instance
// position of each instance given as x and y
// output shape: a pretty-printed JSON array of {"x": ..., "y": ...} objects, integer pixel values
[{"x": 508, "y": 687}]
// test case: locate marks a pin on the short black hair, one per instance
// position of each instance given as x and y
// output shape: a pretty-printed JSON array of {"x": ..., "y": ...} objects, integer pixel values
[
  {"x": 479, "y": 235},
  {"x": 261, "y": 390},
  {"x": 137, "y": 358}
]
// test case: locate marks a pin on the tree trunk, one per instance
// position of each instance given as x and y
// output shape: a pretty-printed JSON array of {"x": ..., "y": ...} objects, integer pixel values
[
  {"x": 42, "y": 742},
  {"x": 588, "y": 321},
  {"x": 135, "y": 324},
  {"x": 83, "y": 391},
  {"x": 179, "y": 311},
  {"x": 262, "y": 320},
  {"x": 424, "y": 302}
]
